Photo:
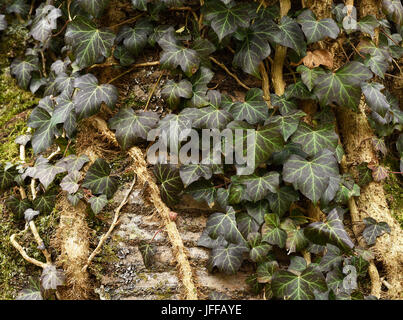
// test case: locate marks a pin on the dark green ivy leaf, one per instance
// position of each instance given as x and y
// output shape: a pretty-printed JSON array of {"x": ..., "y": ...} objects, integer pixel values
[
  {"x": 368, "y": 25},
  {"x": 18, "y": 206},
  {"x": 7, "y": 175},
  {"x": 203, "y": 190},
  {"x": 98, "y": 179},
  {"x": 124, "y": 56},
  {"x": 171, "y": 183},
  {"x": 199, "y": 87},
  {"x": 22, "y": 69},
  {"x": 314, "y": 140},
  {"x": 272, "y": 233},
  {"x": 89, "y": 43},
  {"x": 45, "y": 202},
  {"x": 73, "y": 162},
  {"x": 254, "y": 110},
  {"x": 266, "y": 270},
  {"x": 94, "y": 7},
  {"x": 285, "y": 105},
  {"x": 192, "y": 172},
  {"x": 317, "y": 30},
  {"x": 375, "y": 99},
  {"x": 287, "y": 285},
  {"x": 311, "y": 177},
  {"x": 374, "y": 229},
  {"x": 88, "y": 99},
  {"x": 147, "y": 251},
  {"x": 258, "y": 187},
  {"x": 332, "y": 231},
  {"x": 255, "y": 47},
  {"x": 135, "y": 39},
  {"x": 343, "y": 86},
  {"x": 140, "y": 4},
  {"x": 288, "y": 123},
  {"x": 308, "y": 76},
  {"x": 172, "y": 92},
  {"x": 174, "y": 54},
  {"x": 281, "y": 201},
  {"x": 19, "y": 7},
  {"x": 290, "y": 35},
  {"x": 131, "y": 126},
  {"x": 227, "y": 259},
  {"x": 98, "y": 203},
  {"x": 332, "y": 259},
  {"x": 70, "y": 182},
  {"x": 225, "y": 20}
]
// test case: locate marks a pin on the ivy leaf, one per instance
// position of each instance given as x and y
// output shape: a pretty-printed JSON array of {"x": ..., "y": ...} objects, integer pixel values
[
  {"x": 254, "y": 47},
  {"x": 63, "y": 113},
  {"x": 51, "y": 277},
  {"x": 298, "y": 91},
  {"x": 314, "y": 140},
  {"x": 297, "y": 264},
  {"x": 193, "y": 172},
  {"x": 44, "y": 22},
  {"x": 272, "y": 233},
  {"x": 30, "y": 214},
  {"x": 88, "y": 99},
  {"x": 124, "y": 56},
  {"x": 377, "y": 59},
  {"x": 140, "y": 4},
  {"x": 147, "y": 251},
  {"x": 18, "y": 6},
  {"x": 266, "y": 270},
  {"x": 203, "y": 190},
  {"x": 332, "y": 231},
  {"x": 379, "y": 173},
  {"x": 130, "y": 126},
  {"x": 315, "y": 30},
  {"x": 332, "y": 259},
  {"x": 98, "y": 179},
  {"x": 45, "y": 203},
  {"x": 174, "y": 54},
  {"x": 343, "y": 86},
  {"x": 267, "y": 140},
  {"x": 135, "y": 39},
  {"x": 3, "y": 22},
  {"x": 33, "y": 292},
  {"x": 22, "y": 69},
  {"x": 70, "y": 182},
  {"x": 224, "y": 225},
  {"x": 7, "y": 175},
  {"x": 394, "y": 10},
  {"x": 18, "y": 206},
  {"x": 173, "y": 124},
  {"x": 212, "y": 117},
  {"x": 290, "y": 35},
  {"x": 288, "y": 123},
  {"x": 334, "y": 280},
  {"x": 258, "y": 250},
  {"x": 375, "y": 98},
  {"x": 225, "y": 20},
  {"x": 311, "y": 177},
  {"x": 308, "y": 76},
  {"x": 46, "y": 172},
  {"x": 247, "y": 224},
  {"x": 281, "y": 201},
  {"x": 361, "y": 265},
  {"x": 171, "y": 183},
  {"x": 350, "y": 280},
  {"x": 258, "y": 210},
  {"x": 258, "y": 187},
  {"x": 296, "y": 240},
  {"x": 288, "y": 285},
  {"x": 65, "y": 83},
  {"x": 199, "y": 87},
  {"x": 285, "y": 105},
  {"x": 374, "y": 229},
  {"x": 172, "y": 92},
  {"x": 73, "y": 162},
  {"x": 253, "y": 110},
  {"x": 379, "y": 145},
  {"x": 98, "y": 203},
  {"x": 227, "y": 259},
  {"x": 89, "y": 43},
  {"x": 368, "y": 25},
  {"x": 94, "y": 7}
]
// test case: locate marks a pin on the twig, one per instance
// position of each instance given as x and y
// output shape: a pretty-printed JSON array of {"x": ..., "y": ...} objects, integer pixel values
[
  {"x": 40, "y": 242},
  {"x": 230, "y": 73},
  {"x": 152, "y": 91},
  {"x": 62, "y": 29},
  {"x": 112, "y": 226},
  {"x": 138, "y": 65},
  {"x": 24, "y": 254},
  {"x": 127, "y": 21}
]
